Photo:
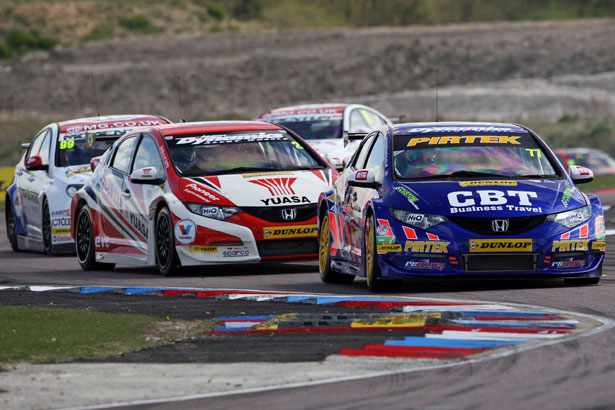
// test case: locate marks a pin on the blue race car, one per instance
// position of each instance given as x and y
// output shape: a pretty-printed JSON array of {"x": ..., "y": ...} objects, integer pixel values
[{"x": 459, "y": 200}]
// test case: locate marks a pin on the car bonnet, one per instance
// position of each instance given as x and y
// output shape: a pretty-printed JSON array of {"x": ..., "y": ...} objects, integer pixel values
[{"x": 481, "y": 198}]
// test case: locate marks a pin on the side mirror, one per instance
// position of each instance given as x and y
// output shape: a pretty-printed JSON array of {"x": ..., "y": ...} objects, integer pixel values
[
  {"x": 365, "y": 178},
  {"x": 346, "y": 138},
  {"x": 94, "y": 163},
  {"x": 579, "y": 174},
  {"x": 35, "y": 163},
  {"x": 25, "y": 145},
  {"x": 147, "y": 175}
]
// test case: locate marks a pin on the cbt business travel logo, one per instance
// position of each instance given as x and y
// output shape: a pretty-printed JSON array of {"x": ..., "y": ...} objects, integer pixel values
[{"x": 185, "y": 231}]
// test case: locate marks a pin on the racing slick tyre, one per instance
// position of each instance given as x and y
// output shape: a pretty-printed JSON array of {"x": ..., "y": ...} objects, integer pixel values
[
  {"x": 370, "y": 257},
  {"x": 46, "y": 229},
  {"x": 581, "y": 281},
  {"x": 324, "y": 257},
  {"x": 11, "y": 227},
  {"x": 166, "y": 255},
  {"x": 84, "y": 242}
]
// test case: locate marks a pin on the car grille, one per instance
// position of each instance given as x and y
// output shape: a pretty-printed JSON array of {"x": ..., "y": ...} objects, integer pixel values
[
  {"x": 288, "y": 247},
  {"x": 500, "y": 262},
  {"x": 482, "y": 226},
  {"x": 274, "y": 214}
]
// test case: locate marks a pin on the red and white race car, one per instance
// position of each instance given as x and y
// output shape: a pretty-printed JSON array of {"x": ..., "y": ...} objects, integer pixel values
[
  {"x": 200, "y": 194},
  {"x": 333, "y": 130}
]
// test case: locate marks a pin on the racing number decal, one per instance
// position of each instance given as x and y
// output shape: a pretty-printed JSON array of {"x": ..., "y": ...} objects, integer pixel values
[{"x": 67, "y": 144}]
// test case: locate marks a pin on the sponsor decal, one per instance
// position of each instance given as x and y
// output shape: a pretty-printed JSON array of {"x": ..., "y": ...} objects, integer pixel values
[
  {"x": 163, "y": 156},
  {"x": 230, "y": 139},
  {"x": 568, "y": 264},
  {"x": 138, "y": 222},
  {"x": 566, "y": 196},
  {"x": 570, "y": 245},
  {"x": 384, "y": 234},
  {"x": 410, "y": 233},
  {"x": 389, "y": 247},
  {"x": 55, "y": 222},
  {"x": 101, "y": 242},
  {"x": 361, "y": 175},
  {"x": 60, "y": 231},
  {"x": 425, "y": 265},
  {"x": 426, "y": 247},
  {"x": 61, "y": 238},
  {"x": 277, "y": 186},
  {"x": 600, "y": 228},
  {"x": 295, "y": 231},
  {"x": 582, "y": 232},
  {"x": 464, "y": 139},
  {"x": 501, "y": 245},
  {"x": 264, "y": 174},
  {"x": 202, "y": 249},
  {"x": 487, "y": 183},
  {"x": 599, "y": 245},
  {"x": 440, "y": 129},
  {"x": 293, "y": 199},
  {"x": 185, "y": 231},
  {"x": 199, "y": 192},
  {"x": 492, "y": 200},
  {"x": 235, "y": 252},
  {"x": 408, "y": 195},
  {"x": 116, "y": 124},
  {"x": 61, "y": 212}
]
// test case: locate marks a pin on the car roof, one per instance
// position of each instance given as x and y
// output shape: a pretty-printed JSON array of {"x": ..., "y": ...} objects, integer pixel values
[
  {"x": 456, "y": 127},
  {"x": 215, "y": 126},
  {"x": 110, "y": 121}
]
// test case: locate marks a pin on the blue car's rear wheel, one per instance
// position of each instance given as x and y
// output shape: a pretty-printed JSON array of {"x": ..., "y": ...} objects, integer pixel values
[{"x": 324, "y": 256}]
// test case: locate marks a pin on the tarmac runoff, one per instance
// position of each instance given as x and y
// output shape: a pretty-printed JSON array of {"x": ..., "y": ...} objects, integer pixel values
[{"x": 452, "y": 333}]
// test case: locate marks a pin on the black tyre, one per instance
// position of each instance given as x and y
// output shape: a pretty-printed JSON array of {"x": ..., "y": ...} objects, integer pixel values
[
  {"x": 166, "y": 255},
  {"x": 84, "y": 242},
  {"x": 581, "y": 281},
  {"x": 324, "y": 257},
  {"x": 370, "y": 257},
  {"x": 11, "y": 227},
  {"x": 46, "y": 228}
]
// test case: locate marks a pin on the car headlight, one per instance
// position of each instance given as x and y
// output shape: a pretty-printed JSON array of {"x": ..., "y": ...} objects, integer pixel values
[
  {"x": 71, "y": 190},
  {"x": 423, "y": 221},
  {"x": 212, "y": 211},
  {"x": 572, "y": 218}
]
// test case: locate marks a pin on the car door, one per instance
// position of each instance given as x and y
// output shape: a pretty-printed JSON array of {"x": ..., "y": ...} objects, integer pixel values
[
  {"x": 141, "y": 196},
  {"x": 31, "y": 184},
  {"x": 112, "y": 198},
  {"x": 350, "y": 226}
]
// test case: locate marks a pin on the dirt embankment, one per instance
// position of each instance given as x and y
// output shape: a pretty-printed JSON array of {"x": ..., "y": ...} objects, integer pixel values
[{"x": 246, "y": 73}]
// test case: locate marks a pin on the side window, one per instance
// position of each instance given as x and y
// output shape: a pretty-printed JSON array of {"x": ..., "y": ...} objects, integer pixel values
[
  {"x": 35, "y": 147},
  {"x": 357, "y": 122},
  {"x": 375, "y": 160},
  {"x": 363, "y": 150},
  {"x": 44, "y": 150},
  {"x": 123, "y": 155},
  {"x": 147, "y": 156}
]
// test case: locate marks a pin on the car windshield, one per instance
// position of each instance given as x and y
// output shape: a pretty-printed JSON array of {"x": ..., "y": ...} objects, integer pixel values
[
  {"x": 239, "y": 152},
  {"x": 310, "y": 126},
  {"x": 470, "y": 156},
  {"x": 79, "y": 149},
  {"x": 592, "y": 160}
]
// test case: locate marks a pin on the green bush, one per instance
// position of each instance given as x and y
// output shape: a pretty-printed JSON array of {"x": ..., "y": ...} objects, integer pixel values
[
  {"x": 100, "y": 32},
  {"x": 18, "y": 42},
  {"x": 216, "y": 11},
  {"x": 137, "y": 23}
]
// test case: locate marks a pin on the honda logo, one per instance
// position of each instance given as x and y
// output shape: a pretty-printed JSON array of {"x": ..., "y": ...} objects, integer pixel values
[
  {"x": 499, "y": 225},
  {"x": 288, "y": 214}
]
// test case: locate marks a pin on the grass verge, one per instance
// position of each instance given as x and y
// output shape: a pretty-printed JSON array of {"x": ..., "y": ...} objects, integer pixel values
[{"x": 47, "y": 335}]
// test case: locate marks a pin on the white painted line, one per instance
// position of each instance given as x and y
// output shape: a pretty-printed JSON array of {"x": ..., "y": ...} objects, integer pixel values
[
  {"x": 50, "y": 288},
  {"x": 461, "y": 335},
  {"x": 457, "y": 308}
]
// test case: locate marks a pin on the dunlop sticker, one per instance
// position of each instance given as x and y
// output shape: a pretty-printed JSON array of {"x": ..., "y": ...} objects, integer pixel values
[
  {"x": 202, "y": 249},
  {"x": 60, "y": 231},
  {"x": 501, "y": 245},
  {"x": 599, "y": 245},
  {"x": 295, "y": 231},
  {"x": 386, "y": 248}
]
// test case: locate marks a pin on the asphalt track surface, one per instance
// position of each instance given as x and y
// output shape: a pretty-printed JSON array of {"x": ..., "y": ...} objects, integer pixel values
[{"x": 578, "y": 374}]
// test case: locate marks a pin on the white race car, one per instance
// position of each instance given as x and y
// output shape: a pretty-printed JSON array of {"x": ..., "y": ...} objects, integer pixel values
[
  {"x": 55, "y": 165},
  {"x": 333, "y": 130}
]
